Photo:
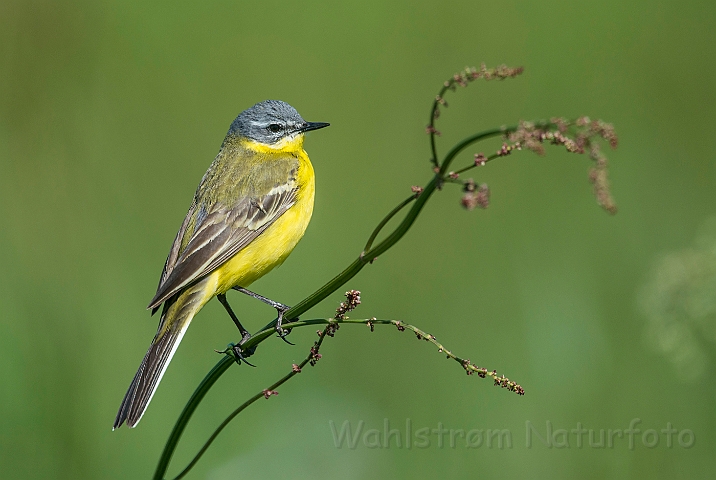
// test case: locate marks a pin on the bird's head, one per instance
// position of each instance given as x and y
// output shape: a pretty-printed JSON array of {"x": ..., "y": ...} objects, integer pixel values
[{"x": 273, "y": 125}]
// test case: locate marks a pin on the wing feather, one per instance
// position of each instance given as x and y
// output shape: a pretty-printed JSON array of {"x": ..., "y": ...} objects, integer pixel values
[
  {"x": 174, "y": 251},
  {"x": 219, "y": 235}
]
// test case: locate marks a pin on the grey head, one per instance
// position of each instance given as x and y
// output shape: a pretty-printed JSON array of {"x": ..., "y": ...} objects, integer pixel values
[{"x": 271, "y": 121}]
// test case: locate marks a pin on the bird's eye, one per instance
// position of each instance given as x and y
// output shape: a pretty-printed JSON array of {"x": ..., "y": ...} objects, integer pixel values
[{"x": 275, "y": 128}]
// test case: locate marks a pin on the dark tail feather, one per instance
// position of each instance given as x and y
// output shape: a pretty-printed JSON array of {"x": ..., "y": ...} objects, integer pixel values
[
  {"x": 176, "y": 316},
  {"x": 147, "y": 378}
]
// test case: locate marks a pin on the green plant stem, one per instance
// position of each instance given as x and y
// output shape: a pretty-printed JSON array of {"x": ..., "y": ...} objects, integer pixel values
[
  {"x": 385, "y": 220},
  {"x": 320, "y": 294},
  {"x": 421, "y": 335},
  {"x": 186, "y": 414},
  {"x": 470, "y": 167},
  {"x": 433, "y": 146},
  {"x": 251, "y": 400}
]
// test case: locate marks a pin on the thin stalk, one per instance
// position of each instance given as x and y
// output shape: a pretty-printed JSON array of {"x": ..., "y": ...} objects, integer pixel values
[
  {"x": 433, "y": 147},
  {"x": 386, "y": 219},
  {"x": 186, "y": 414},
  {"x": 470, "y": 167},
  {"x": 469, "y": 367},
  {"x": 251, "y": 400}
]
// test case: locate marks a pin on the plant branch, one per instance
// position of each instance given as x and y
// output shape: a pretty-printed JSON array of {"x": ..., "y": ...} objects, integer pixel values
[
  {"x": 266, "y": 393},
  {"x": 313, "y": 356},
  {"x": 386, "y": 219},
  {"x": 185, "y": 416},
  {"x": 462, "y": 79}
]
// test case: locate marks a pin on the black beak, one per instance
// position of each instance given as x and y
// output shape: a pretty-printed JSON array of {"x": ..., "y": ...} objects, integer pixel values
[{"x": 313, "y": 126}]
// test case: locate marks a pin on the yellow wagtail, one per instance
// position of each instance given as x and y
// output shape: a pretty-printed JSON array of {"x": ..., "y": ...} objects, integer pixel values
[{"x": 249, "y": 212}]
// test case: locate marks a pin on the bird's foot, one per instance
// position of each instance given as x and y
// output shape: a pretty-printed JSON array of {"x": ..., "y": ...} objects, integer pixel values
[
  {"x": 238, "y": 351},
  {"x": 282, "y": 334},
  {"x": 240, "y": 354}
]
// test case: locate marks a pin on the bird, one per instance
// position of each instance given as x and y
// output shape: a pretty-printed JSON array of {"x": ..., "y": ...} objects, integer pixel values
[{"x": 249, "y": 211}]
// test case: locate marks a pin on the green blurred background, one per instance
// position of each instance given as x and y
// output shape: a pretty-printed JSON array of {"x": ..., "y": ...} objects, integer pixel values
[{"x": 111, "y": 111}]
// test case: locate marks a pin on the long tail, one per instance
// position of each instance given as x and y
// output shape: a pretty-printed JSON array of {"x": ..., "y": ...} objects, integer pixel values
[{"x": 176, "y": 317}]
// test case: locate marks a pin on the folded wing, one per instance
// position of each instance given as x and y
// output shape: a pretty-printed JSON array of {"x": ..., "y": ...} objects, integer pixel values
[{"x": 218, "y": 235}]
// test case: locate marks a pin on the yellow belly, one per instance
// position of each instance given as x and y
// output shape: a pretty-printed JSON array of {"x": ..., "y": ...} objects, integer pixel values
[{"x": 271, "y": 248}]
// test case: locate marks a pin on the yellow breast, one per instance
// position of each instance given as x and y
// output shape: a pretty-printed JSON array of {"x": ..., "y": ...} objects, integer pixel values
[{"x": 271, "y": 248}]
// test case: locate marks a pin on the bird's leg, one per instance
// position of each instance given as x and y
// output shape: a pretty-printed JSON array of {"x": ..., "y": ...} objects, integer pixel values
[
  {"x": 280, "y": 309},
  {"x": 245, "y": 335}
]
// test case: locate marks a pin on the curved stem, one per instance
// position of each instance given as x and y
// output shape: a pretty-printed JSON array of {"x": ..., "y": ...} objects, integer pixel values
[
  {"x": 218, "y": 430},
  {"x": 469, "y": 367},
  {"x": 433, "y": 147},
  {"x": 251, "y": 400},
  {"x": 385, "y": 220},
  {"x": 186, "y": 414}
]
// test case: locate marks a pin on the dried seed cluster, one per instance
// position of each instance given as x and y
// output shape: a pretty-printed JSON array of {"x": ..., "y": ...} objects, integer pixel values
[
  {"x": 502, "y": 381},
  {"x": 577, "y": 137},
  {"x": 352, "y": 301},
  {"x": 462, "y": 79}
]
